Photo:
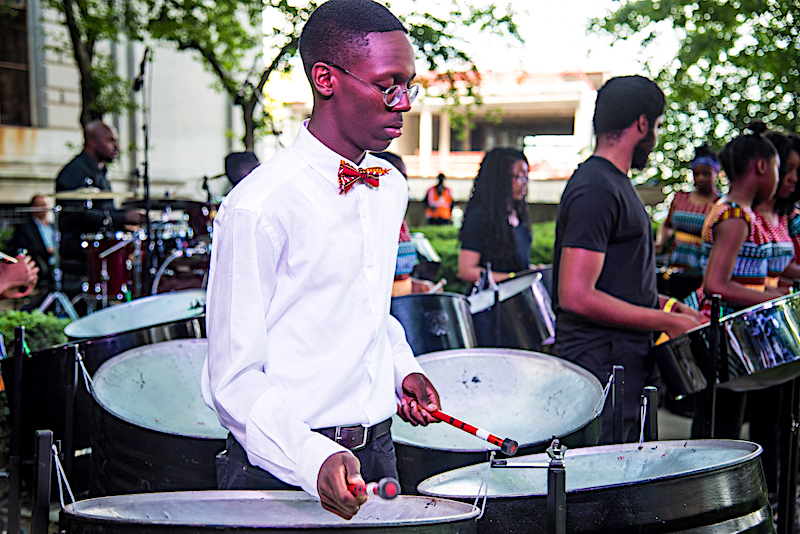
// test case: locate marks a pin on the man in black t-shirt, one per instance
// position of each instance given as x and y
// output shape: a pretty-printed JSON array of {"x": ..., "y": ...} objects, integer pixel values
[{"x": 605, "y": 298}]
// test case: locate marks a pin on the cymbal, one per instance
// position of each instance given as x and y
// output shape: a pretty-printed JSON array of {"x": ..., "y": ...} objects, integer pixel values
[
  {"x": 88, "y": 193},
  {"x": 174, "y": 203}
]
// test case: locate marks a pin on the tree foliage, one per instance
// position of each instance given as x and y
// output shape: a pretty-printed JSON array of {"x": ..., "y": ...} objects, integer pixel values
[
  {"x": 226, "y": 33},
  {"x": 737, "y": 61},
  {"x": 92, "y": 25}
]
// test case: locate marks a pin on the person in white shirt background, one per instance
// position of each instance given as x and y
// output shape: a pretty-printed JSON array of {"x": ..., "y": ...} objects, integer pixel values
[{"x": 301, "y": 345}]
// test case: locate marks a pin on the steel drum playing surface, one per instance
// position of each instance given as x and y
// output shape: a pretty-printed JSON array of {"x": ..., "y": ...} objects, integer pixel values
[
  {"x": 158, "y": 387},
  {"x": 140, "y": 313},
  {"x": 525, "y": 396},
  {"x": 213, "y": 510}
]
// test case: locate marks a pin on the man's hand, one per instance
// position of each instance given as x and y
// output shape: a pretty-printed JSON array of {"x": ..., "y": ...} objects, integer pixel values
[
  {"x": 336, "y": 472},
  {"x": 135, "y": 216},
  {"x": 419, "y": 399},
  {"x": 680, "y": 323}
]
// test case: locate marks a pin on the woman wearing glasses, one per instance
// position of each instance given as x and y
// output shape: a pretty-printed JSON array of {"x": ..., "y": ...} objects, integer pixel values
[{"x": 496, "y": 227}]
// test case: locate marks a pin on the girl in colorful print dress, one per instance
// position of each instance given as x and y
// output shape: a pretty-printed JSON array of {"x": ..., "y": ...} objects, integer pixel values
[{"x": 688, "y": 211}]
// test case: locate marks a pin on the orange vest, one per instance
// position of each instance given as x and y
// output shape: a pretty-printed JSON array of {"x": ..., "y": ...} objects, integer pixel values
[{"x": 439, "y": 206}]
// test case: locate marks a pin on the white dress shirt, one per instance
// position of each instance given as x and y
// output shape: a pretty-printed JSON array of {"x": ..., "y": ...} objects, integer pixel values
[{"x": 299, "y": 330}]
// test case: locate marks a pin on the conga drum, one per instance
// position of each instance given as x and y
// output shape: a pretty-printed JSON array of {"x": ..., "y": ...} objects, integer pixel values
[
  {"x": 525, "y": 396},
  {"x": 661, "y": 487},
  {"x": 268, "y": 512},
  {"x": 153, "y": 431}
]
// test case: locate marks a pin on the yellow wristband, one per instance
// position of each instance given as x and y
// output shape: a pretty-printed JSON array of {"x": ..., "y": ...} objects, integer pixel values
[
  {"x": 512, "y": 275},
  {"x": 669, "y": 304}
]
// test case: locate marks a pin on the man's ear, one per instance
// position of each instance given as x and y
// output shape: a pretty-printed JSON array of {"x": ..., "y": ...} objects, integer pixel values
[
  {"x": 643, "y": 124},
  {"x": 321, "y": 79}
]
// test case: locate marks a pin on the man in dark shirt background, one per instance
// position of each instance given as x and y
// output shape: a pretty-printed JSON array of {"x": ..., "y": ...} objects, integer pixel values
[
  {"x": 604, "y": 275},
  {"x": 89, "y": 216}
]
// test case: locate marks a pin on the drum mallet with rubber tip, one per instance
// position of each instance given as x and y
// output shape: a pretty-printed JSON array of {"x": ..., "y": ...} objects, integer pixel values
[
  {"x": 507, "y": 446},
  {"x": 386, "y": 488}
]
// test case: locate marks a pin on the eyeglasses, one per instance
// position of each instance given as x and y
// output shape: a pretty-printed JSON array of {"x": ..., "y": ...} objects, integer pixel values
[
  {"x": 391, "y": 96},
  {"x": 522, "y": 179}
]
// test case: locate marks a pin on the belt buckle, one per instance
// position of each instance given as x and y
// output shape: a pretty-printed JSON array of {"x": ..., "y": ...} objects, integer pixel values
[{"x": 341, "y": 440}]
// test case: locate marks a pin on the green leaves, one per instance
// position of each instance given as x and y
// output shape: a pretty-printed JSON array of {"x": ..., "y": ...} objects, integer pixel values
[{"x": 738, "y": 61}]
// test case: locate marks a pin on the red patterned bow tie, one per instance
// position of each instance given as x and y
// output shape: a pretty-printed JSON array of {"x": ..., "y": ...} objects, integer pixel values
[{"x": 349, "y": 175}]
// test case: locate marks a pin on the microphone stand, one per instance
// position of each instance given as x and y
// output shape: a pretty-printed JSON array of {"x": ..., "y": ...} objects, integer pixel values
[{"x": 151, "y": 255}]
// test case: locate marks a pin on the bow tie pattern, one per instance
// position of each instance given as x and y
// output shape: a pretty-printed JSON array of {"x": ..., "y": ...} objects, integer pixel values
[{"x": 349, "y": 175}]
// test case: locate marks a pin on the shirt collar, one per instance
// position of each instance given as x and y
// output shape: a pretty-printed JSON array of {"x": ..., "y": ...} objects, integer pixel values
[{"x": 324, "y": 160}]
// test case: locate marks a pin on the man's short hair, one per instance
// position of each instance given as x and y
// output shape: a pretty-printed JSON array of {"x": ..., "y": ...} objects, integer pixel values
[
  {"x": 337, "y": 31},
  {"x": 623, "y": 99},
  {"x": 238, "y": 165}
]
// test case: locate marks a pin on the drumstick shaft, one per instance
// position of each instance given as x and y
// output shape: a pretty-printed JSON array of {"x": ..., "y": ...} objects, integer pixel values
[
  {"x": 508, "y": 446},
  {"x": 387, "y": 488},
  {"x": 7, "y": 259}
]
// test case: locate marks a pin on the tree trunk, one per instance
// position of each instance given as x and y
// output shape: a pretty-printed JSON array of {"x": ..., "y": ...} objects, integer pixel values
[{"x": 248, "y": 110}]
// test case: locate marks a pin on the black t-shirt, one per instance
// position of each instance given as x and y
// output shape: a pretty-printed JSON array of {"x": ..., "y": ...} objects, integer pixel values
[
  {"x": 601, "y": 211},
  {"x": 76, "y": 220},
  {"x": 472, "y": 238}
]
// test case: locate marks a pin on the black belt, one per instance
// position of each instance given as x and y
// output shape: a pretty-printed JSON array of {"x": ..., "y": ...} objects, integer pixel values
[{"x": 355, "y": 437}]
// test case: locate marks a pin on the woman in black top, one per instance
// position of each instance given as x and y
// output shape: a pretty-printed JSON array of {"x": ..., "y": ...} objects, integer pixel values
[{"x": 496, "y": 226}]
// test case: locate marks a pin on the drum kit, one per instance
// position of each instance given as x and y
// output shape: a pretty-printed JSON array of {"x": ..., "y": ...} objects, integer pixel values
[
  {"x": 150, "y": 430},
  {"x": 175, "y": 256}
]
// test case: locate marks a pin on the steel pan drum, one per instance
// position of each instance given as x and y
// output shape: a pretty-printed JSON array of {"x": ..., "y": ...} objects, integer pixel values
[
  {"x": 699, "y": 486},
  {"x": 435, "y": 322},
  {"x": 139, "y": 314},
  {"x": 522, "y": 318},
  {"x": 759, "y": 348},
  {"x": 525, "y": 396},
  {"x": 260, "y": 511},
  {"x": 51, "y": 374},
  {"x": 153, "y": 432}
]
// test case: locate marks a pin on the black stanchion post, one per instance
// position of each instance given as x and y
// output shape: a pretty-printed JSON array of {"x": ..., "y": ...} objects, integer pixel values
[
  {"x": 705, "y": 412},
  {"x": 650, "y": 413},
  {"x": 618, "y": 402},
  {"x": 68, "y": 441},
  {"x": 788, "y": 477},
  {"x": 14, "y": 479},
  {"x": 556, "y": 490},
  {"x": 40, "y": 508}
]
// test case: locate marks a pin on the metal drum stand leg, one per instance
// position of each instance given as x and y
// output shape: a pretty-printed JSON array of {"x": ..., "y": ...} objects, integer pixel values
[
  {"x": 705, "y": 413},
  {"x": 57, "y": 295},
  {"x": 788, "y": 478}
]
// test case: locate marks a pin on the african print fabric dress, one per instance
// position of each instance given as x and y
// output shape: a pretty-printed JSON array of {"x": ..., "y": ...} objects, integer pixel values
[
  {"x": 765, "y": 254},
  {"x": 686, "y": 219},
  {"x": 794, "y": 232}
]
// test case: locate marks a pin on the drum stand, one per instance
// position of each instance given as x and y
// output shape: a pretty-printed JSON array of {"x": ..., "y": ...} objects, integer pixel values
[
  {"x": 57, "y": 296},
  {"x": 787, "y": 491}
]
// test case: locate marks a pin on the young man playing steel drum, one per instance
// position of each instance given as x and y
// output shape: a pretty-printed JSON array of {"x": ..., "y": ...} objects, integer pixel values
[
  {"x": 604, "y": 272},
  {"x": 305, "y": 364}
]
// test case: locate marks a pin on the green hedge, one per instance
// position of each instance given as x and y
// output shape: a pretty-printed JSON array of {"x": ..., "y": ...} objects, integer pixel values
[{"x": 445, "y": 240}]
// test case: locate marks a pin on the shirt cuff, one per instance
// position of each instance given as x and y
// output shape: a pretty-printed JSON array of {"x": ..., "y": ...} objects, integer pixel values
[
  {"x": 404, "y": 365},
  {"x": 318, "y": 448}
]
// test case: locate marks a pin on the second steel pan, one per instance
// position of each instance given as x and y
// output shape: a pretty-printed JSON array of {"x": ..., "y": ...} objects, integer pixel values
[
  {"x": 435, "y": 322},
  {"x": 141, "y": 314},
  {"x": 759, "y": 347},
  {"x": 518, "y": 315},
  {"x": 272, "y": 512},
  {"x": 525, "y": 396},
  {"x": 701, "y": 486},
  {"x": 153, "y": 431}
]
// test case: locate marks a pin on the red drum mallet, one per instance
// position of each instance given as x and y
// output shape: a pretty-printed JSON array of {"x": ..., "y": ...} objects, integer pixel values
[
  {"x": 508, "y": 447},
  {"x": 386, "y": 488}
]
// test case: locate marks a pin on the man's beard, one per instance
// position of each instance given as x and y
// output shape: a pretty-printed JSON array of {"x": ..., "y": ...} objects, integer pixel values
[{"x": 642, "y": 150}]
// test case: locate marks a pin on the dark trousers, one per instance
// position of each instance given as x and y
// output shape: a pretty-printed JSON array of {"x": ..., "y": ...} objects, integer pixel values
[
  {"x": 234, "y": 471},
  {"x": 600, "y": 360}
]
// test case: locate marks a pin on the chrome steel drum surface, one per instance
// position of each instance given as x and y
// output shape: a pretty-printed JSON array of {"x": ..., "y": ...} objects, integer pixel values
[
  {"x": 435, "y": 322},
  {"x": 158, "y": 387},
  {"x": 522, "y": 318},
  {"x": 759, "y": 347},
  {"x": 661, "y": 486},
  {"x": 267, "y": 511},
  {"x": 140, "y": 313},
  {"x": 525, "y": 396},
  {"x": 153, "y": 432}
]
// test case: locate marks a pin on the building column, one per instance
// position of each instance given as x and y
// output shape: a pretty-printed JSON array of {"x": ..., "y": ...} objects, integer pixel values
[
  {"x": 444, "y": 141},
  {"x": 425, "y": 141}
]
